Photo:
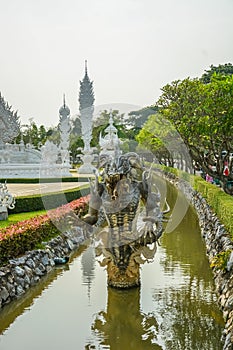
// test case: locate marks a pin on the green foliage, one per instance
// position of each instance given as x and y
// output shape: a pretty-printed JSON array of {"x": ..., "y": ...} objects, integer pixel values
[
  {"x": 31, "y": 133},
  {"x": 159, "y": 136},
  {"x": 220, "y": 260},
  {"x": 224, "y": 69},
  {"x": 13, "y": 218},
  {"x": 44, "y": 180},
  {"x": 137, "y": 118},
  {"x": 52, "y": 200},
  {"x": 202, "y": 115}
]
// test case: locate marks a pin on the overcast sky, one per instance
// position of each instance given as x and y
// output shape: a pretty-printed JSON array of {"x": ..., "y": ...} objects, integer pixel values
[{"x": 133, "y": 48}]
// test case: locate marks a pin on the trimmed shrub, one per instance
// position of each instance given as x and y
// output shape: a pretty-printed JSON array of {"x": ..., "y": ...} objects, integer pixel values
[
  {"x": 16, "y": 239},
  {"x": 52, "y": 200},
  {"x": 44, "y": 180},
  {"x": 219, "y": 201}
]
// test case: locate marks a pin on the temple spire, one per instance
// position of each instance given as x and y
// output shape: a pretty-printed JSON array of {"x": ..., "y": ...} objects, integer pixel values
[
  {"x": 85, "y": 67},
  {"x": 64, "y": 100}
]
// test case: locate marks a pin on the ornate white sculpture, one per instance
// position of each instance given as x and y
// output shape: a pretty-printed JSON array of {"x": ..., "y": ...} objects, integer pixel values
[
  {"x": 9, "y": 122},
  {"x": 86, "y": 108},
  {"x": 24, "y": 161},
  {"x": 110, "y": 143},
  {"x": 64, "y": 127},
  {"x": 6, "y": 201}
]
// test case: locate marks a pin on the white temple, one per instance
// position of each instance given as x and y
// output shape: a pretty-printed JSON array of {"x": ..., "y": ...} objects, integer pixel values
[{"x": 24, "y": 161}]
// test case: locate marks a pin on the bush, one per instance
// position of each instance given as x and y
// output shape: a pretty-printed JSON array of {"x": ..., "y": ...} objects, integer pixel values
[
  {"x": 52, "y": 200},
  {"x": 219, "y": 201},
  {"x": 44, "y": 180},
  {"x": 25, "y": 235}
]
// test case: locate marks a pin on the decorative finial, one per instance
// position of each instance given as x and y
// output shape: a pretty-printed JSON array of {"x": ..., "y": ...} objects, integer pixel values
[
  {"x": 85, "y": 67},
  {"x": 111, "y": 118},
  {"x": 64, "y": 100}
]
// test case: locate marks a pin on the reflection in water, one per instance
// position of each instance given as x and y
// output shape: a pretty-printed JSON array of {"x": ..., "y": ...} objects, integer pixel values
[
  {"x": 10, "y": 312},
  {"x": 88, "y": 269},
  {"x": 124, "y": 325}
]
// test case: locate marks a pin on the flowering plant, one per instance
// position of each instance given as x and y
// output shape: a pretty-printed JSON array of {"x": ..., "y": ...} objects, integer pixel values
[{"x": 24, "y": 235}]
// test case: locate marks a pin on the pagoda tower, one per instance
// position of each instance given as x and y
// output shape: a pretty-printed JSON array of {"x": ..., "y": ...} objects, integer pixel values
[
  {"x": 86, "y": 109},
  {"x": 64, "y": 128}
]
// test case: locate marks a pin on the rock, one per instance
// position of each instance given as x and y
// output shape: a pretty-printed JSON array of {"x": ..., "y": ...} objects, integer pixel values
[
  {"x": 19, "y": 290},
  {"x": 45, "y": 260},
  {"x": 229, "y": 304},
  {"x": 19, "y": 271},
  {"x": 4, "y": 294},
  {"x": 38, "y": 272},
  {"x": 230, "y": 262},
  {"x": 30, "y": 263}
]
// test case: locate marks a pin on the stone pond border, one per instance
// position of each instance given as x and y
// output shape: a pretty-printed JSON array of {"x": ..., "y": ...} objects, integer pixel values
[
  {"x": 216, "y": 240},
  {"x": 23, "y": 272}
]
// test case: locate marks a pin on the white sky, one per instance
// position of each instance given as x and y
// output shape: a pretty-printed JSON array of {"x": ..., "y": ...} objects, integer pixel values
[{"x": 133, "y": 48}]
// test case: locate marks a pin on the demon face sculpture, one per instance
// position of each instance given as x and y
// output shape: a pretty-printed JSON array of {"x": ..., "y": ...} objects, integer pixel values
[{"x": 125, "y": 210}]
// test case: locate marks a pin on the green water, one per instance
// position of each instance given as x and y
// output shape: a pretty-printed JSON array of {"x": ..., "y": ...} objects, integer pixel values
[{"x": 72, "y": 308}]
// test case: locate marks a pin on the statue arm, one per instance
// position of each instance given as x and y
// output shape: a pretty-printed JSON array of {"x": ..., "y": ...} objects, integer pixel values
[
  {"x": 153, "y": 218},
  {"x": 95, "y": 203}
]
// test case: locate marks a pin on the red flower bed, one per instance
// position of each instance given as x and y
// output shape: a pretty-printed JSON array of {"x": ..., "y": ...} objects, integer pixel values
[{"x": 22, "y": 236}]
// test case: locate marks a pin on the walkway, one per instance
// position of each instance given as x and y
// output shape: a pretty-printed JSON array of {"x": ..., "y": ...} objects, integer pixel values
[{"x": 41, "y": 188}]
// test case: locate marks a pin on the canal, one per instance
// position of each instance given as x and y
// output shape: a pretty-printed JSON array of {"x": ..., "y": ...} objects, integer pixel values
[{"x": 72, "y": 308}]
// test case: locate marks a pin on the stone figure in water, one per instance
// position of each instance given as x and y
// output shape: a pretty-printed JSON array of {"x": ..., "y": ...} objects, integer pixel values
[{"x": 125, "y": 210}]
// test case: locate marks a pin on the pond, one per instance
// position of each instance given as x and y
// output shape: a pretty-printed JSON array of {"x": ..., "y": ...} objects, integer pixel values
[{"x": 72, "y": 308}]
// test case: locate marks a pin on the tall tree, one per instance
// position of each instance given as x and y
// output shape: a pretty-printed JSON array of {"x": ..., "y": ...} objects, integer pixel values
[
  {"x": 202, "y": 114},
  {"x": 160, "y": 137}
]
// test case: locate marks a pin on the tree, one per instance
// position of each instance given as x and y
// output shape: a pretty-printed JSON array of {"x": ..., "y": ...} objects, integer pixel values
[
  {"x": 223, "y": 69},
  {"x": 160, "y": 137},
  {"x": 137, "y": 118},
  {"x": 202, "y": 114},
  {"x": 76, "y": 141}
]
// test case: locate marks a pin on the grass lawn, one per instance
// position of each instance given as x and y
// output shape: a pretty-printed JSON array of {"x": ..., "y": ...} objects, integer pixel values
[{"x": 14, "y": 218}]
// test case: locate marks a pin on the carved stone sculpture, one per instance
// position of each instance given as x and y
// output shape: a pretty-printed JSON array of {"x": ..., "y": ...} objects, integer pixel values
[{"x": 125, "y": 210}]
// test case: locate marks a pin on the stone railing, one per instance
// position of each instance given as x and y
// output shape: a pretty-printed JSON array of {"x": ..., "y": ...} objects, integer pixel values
[{"x": 9, "y": 171}]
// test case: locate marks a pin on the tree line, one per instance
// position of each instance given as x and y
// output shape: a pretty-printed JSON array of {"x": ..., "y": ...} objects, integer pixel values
[{"x": 198, "y": 114}]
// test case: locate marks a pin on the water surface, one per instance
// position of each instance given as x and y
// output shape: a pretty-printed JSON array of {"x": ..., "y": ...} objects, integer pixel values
[{"x": 72, "y": 308}]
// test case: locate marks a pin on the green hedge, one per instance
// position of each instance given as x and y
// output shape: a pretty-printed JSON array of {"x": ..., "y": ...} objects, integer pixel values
[
  {"x": 45, "y": 180},
  {"x": 219, "y": 201},
  {"x": 48, "y": 201}
]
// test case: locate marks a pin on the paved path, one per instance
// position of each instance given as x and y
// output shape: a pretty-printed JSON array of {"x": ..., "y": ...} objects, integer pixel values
[{"x": 42, "y": 188}]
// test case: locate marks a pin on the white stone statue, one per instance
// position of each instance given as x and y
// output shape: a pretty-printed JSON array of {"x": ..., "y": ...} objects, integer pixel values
[
  {"x": 6, "y": 201},
  {"x": 65, "y": 128},
  {"x": 110, "y": 143},
  {"x": 49, "y": 153}
]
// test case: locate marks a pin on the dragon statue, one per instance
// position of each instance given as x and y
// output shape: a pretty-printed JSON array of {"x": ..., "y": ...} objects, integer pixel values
[{"x": 124, "y": 211}]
